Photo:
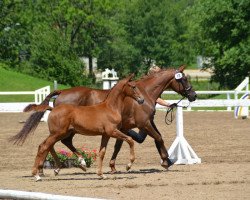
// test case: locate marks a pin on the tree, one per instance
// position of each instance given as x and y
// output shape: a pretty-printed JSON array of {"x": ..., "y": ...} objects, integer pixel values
[
  {"x": 224, "y": 31},
  {"x": 52, "y": 58}
]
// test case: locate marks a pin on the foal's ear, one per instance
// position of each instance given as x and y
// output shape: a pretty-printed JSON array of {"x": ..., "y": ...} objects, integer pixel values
[{"x": 181, "y": 68}]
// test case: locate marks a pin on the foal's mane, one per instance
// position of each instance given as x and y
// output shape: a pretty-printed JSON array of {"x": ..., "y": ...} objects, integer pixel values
[{"x": 110, "y": 90}]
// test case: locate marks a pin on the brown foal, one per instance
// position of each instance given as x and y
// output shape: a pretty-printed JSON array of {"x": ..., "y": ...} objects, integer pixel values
[{"x": 101, "y": 119}]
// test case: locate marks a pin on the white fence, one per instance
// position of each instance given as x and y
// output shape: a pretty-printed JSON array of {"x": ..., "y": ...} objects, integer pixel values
[
  {"x": 39, "y": 96},
  {"x": 242, "y": 89},
  {"x": 180, "y": 151}
]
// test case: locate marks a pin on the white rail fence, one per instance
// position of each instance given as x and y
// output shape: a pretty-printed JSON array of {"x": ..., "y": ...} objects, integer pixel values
[
  {"x": 242, "y": 89},
  {"x": 39, "y": 96},
  {"x": 180, "y": 151}
]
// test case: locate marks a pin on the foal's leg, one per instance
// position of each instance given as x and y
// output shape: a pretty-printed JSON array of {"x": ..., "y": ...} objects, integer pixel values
[
  {"x": 57, "y": 161},
  {"x": 43, "y": 150},
  {"x": 102, "y": 152},
  {"x": 120, "y": 135},
  {"x": 68, "y": 142},
  {"x": 138, "y": 137}
]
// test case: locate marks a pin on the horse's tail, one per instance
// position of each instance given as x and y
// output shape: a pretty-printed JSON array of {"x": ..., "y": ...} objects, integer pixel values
[{"x": 34, "y": 119}]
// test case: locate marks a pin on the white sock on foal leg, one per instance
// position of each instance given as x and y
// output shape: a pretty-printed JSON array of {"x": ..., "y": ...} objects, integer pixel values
[{"x": 82, "y": 163}]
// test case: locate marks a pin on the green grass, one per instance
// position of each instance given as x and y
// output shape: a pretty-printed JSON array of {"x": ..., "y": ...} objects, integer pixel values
[{"x": 14, "y": 81}]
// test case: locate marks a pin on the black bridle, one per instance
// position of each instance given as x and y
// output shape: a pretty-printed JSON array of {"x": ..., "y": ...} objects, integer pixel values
[{"x": 185, "y": 94}]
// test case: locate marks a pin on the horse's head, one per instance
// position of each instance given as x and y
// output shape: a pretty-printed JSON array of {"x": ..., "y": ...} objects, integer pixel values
[
  {"x": 181, "y": 85},
  {"x": 131, "y": 90}
]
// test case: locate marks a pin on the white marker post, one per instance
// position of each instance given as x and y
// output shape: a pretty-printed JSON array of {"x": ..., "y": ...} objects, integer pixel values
[{"x": 180, "y": 151}]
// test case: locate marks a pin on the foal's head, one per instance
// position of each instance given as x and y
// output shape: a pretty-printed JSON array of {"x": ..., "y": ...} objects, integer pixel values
[
  {"x": 181, "y": 85},
  {"x": 131, "y": 90}
]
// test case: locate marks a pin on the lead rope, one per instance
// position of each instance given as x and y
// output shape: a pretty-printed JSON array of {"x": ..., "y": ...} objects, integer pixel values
[{"x": 170, "y": 110}]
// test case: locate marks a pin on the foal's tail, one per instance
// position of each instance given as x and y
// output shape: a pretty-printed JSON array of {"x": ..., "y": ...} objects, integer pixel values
[{"x": 34, "y": 119}]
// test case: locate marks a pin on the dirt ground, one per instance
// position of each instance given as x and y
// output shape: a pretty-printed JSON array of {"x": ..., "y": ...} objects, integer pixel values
[{"x": 222, "y": 143}]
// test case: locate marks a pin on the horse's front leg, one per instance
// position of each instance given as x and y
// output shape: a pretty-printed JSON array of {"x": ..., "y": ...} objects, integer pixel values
[
  {"x": 102, "y": 152},
  {"x": 121, "y": 136},
  {"x": 161, "y": 147}
]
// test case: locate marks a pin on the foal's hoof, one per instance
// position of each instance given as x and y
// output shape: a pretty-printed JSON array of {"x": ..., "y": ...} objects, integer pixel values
[
  {"x": 83, "y": 168},
  {"x": 103, "y": 177},
  {"x": 37, "y": 178},
  {"x": 82, "y": 164},
  {"x": 56, "y": 171},
  {"x": 128, "y": 167},
  {"x": 42, "y": 174}
]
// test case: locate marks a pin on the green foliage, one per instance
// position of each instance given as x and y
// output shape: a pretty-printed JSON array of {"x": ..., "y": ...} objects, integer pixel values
[
  {"x": 48, "y": 38},
  {"x": 51, "y": 57},
  {"x": 224, "y": 32}
]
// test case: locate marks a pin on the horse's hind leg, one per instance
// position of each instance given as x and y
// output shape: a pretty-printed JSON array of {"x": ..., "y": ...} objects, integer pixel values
[
  {"x": 117, "y": 148},
  {"x": 68, "y": 142}
]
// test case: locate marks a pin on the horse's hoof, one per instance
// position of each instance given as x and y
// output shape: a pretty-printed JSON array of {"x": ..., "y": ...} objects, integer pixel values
[
  {"x": 37, "y": 178},
  {"x": 164, "y": 164},
  {"x": 56, "y": 171},
  {"x": 83, "y": 168},
  {"x": 113, "y": 171},
  {"x": 128, "y": 167},
  {"x": 103, "y": 177},
  {"x": 42, "y": 174}
]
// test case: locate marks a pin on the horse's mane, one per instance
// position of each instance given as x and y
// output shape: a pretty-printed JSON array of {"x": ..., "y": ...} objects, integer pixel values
[
  {"x": 147, "y": 76},
  {"x": 155, "y": 74}
]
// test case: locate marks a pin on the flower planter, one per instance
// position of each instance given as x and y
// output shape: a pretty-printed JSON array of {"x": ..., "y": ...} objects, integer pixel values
[{"x": 68, "y": 160}]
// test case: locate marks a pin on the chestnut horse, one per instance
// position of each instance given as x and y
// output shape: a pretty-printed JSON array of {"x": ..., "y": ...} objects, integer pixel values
[
  {"x": 101, "y": 119},
  {"x": 141, "y": 117}
]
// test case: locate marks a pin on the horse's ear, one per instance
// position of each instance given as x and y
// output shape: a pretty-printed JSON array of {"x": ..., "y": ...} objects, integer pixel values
[{"x": 181, "y": 68}]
